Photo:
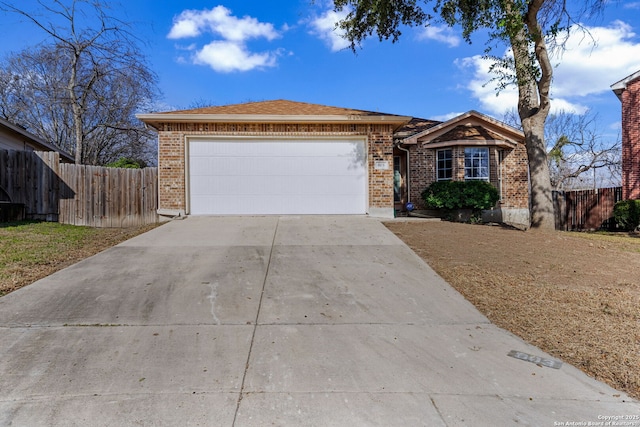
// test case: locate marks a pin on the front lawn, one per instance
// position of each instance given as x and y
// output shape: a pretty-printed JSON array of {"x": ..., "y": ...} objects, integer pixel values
[{"x": 31, "y": 250}]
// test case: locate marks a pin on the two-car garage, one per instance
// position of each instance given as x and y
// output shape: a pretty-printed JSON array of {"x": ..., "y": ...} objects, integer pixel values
[
  {"x": 275, "y": 158},
  {"x": 277, "y": 176}
]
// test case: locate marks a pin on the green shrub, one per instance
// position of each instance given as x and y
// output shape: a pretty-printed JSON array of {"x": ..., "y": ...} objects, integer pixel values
[
  {"x": 627, "y": 214},
  {"x": 127, "y": 163},
  {"x": 476, "y": 195}
]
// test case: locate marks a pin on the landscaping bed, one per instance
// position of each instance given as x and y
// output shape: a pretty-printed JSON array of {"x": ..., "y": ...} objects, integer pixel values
[{"x": 574, "y": 295}]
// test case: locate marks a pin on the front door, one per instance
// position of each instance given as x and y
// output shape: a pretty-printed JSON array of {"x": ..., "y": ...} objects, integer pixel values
[{"x": 399, "y": 179}]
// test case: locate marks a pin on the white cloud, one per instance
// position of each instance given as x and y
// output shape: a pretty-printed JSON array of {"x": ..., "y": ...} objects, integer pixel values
[
  {"x": 583, "y": 69},
  {"x": 440, "y": 33},
  {"x": 593, "y": 61},
  {"x": 231, "y": 53},
  {"x": 324, "y": 27},
  {"x": 192, "y": 23},
  {"x": 632, "y": 5},
  {"x": 229, "y": 56}
]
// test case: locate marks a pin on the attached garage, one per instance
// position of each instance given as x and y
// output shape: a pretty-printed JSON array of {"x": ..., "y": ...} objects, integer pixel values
[
  {"x": 275, "y": 158},
  {"x": 277, "y": 176}
]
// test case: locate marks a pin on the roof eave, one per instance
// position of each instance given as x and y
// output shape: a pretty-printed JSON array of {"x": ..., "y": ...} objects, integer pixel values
[
  {"x": 472, "y": 114},
  {"x": 620, "y": 86},
  {"x": 156, "y": 119},
  {"x": 36, "y": 139}
]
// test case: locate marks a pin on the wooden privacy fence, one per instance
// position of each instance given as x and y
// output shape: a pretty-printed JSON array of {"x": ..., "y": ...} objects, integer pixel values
[
  {"x": 586, "y": 209},
  {"x": 78, "y": 194}
]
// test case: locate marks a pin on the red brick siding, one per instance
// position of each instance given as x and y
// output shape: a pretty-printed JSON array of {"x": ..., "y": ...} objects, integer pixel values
[
  {"x": 631, "y": 141},
  {"x": 171, "y": 153}
]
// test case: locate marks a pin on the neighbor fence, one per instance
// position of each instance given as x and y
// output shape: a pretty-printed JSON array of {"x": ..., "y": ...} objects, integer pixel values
[
  {"x": 78, "y": 194},
  {"x": 586, "y": 209}
]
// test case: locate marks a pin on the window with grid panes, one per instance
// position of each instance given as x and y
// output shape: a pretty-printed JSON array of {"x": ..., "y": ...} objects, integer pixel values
[
  {"x": 445, "y": 164},
  {"x": 476, "y": 163}
]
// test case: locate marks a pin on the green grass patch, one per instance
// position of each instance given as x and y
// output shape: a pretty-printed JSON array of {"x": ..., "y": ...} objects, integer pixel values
[
  {"x": 33, "y": 243},
  {"x": 31, "y": 250}
]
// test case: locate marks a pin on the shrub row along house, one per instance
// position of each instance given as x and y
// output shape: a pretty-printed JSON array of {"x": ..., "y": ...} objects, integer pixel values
[{"x": 285, "y": 157}]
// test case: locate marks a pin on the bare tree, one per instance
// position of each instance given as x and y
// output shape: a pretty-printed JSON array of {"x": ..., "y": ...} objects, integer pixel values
[
  {"x": 581, "y": 155},
  {"x": 81, "y": 87}
]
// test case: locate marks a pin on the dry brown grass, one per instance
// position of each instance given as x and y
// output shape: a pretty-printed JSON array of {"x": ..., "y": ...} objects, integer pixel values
[{"x": 574, "y": 295}]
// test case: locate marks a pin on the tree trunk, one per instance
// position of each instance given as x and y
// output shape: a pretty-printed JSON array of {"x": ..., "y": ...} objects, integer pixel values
[
  {"x": 541, "y": 209},
  {"x": 534, "y": 74}
]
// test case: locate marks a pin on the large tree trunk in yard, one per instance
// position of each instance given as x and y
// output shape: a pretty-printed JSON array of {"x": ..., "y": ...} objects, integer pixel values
[
  {"x": 542, "y": 211},
  {"x": 534, "y": 83}
]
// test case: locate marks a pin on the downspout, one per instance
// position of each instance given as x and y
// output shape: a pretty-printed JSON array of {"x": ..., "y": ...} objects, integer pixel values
[{"x": 408, "y": 172}]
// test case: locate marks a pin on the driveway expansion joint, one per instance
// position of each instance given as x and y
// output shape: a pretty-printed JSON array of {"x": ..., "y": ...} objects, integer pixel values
[{"x": 255, "y": 323}]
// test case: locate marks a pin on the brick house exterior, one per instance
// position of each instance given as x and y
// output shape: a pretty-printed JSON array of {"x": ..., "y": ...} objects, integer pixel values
[
  {"x": 628, "y": 91},
  {"x": 389, "y": 140},
  {"x": 505, "y": 149}
]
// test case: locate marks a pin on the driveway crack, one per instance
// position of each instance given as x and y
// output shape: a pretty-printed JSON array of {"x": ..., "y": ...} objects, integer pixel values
[{"x": 255, "y": 323}]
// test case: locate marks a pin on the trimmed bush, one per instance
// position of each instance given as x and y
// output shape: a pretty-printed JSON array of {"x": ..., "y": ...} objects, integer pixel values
[
  {"x": 126, "y": 163},
  {"x": 475, "y": 195},
  {"x": 627, "y": 214}
]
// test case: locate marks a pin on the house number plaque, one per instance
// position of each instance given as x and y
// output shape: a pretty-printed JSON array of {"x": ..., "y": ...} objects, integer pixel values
[{"x": 381, "y": 165}]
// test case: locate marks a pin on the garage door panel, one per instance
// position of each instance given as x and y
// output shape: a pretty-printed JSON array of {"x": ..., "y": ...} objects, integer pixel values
[{"x": 277, "y": 177}]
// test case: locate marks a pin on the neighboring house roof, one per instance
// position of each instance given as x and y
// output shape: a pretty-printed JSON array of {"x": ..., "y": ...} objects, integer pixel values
[
  {"x": 12, "y": 135},
  {"x": 277, "y": 111},
  {"x": 468, "y": 128},
  {"x": 621, "y": 86}
]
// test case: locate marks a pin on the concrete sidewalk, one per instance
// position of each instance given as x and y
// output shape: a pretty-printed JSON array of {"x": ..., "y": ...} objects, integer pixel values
[{"x": 288, "y": 321}]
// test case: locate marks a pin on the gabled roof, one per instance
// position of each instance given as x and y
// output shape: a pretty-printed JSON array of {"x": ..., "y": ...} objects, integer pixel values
[
  {"x": 416, "y": 125},
  {"x": 468, "y": 127},
  {"x": 469, "y": 132},
  {"x": 273, "y": 111},
  {"x": 32, "y": 140},
  {"x": 621, "y": 86}
]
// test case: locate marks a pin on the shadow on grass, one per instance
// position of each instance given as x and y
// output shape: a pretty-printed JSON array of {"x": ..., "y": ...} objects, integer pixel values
[{"x": 11, "y": 224}]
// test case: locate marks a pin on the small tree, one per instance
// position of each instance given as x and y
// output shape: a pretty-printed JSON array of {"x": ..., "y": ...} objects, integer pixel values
[{"x": 578, "y": 148}]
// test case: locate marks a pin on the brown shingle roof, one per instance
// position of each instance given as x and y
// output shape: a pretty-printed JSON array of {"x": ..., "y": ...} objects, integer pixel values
[
  {"x": 416, "y": 125},
  {"x": 279, "y": 107}
]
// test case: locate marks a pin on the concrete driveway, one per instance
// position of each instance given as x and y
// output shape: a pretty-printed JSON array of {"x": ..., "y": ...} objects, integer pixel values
[{"x": 288, "y": 321}]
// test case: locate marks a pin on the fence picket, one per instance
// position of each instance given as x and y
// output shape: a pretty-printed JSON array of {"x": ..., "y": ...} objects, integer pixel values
[
  {"x": 78, "y": 194},
  {"x": 586, "y": 209}
]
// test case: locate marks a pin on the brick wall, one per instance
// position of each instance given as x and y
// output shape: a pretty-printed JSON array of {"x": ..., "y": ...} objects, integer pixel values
[
  {"x": 171, "y": 153},
  {"x": 631, "y": 141},
  {"x": 511, "y": 175}
]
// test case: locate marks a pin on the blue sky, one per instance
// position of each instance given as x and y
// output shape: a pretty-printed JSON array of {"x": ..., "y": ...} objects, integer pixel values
[{"x": 226, "y": 52}]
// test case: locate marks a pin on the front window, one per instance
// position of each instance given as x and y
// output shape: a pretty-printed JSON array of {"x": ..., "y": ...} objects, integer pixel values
[
  {"x": 445, "y": 165},
  {"x": 476, "y": 163}
]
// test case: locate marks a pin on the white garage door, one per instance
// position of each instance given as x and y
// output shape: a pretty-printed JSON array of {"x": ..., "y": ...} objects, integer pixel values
[{"x": 251, "y": 177}]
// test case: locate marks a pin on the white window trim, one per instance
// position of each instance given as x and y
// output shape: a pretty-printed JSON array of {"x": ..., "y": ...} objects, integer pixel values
[
  {"x": 488, "y": 178},
  {"x": 438, "y": 165}
]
